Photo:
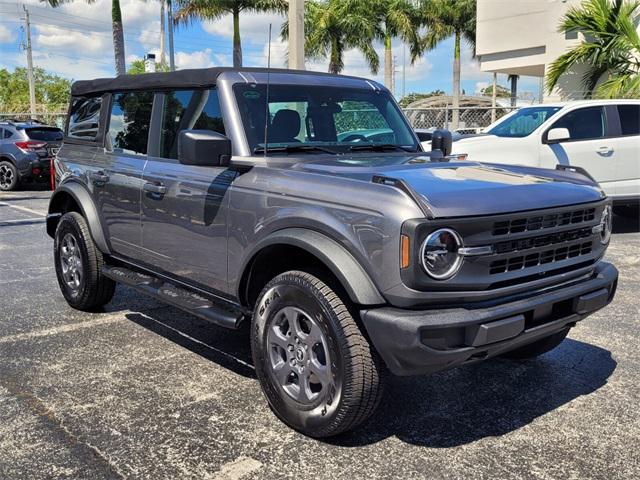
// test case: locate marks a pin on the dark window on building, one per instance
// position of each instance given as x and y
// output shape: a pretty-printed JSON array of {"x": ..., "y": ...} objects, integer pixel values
[
  {"x": 629, "y": 119},
  {"x": 129, "y": 122},
  {"x": 584, "y": 123},
  {"x": 188, "y": 110},
  {"x": 84, "y": 118}
]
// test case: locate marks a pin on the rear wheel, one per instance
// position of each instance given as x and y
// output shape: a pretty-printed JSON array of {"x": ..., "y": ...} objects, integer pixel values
[
  {"x": 78, "y": 262},
  {"x": 8, "y": 176},
  {"x": 319, "y": 373},
  {"x": 537, "y": 348}
]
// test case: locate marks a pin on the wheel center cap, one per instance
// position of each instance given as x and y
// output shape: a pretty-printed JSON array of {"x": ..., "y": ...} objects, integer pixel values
[{"x": 300, "y": 354}]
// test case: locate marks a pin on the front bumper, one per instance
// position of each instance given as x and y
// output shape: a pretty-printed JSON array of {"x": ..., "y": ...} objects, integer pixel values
[{"x": 414, "y": 342}]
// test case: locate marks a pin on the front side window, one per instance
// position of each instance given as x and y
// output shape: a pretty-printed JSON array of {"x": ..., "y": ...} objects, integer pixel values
[
  {"x": 629, "y": 119},
  {"x": 331, "y": 119},
  {"x": 84, "y": 118},
  {"x": 583, "y": 123},
  {"x": 186, "y": 110},
  {"x": 129, "y": 122},
  {"x": 524, "y": 122}
]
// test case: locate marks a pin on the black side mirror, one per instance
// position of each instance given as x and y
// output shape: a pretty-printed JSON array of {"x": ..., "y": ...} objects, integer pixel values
[
  {"x": 204, "y": 148},
  {"x": 441, "y": 140}
]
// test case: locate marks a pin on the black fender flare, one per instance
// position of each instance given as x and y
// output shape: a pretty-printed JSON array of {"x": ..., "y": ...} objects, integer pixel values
[
  {"x": 87, "y": 208},
  {"x": 355, "y": 280}
]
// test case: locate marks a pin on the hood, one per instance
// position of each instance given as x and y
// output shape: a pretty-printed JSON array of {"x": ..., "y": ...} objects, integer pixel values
[{"x": 470, "y": 188}]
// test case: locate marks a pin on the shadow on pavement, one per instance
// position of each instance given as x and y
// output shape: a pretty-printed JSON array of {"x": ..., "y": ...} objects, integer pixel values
[
  {"x": 442, "y": 410},
  {"x": 487, "y": 399}
]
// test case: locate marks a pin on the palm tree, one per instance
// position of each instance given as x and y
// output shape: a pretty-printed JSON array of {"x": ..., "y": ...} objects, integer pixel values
[
  {"x": 611, "y": 46},
  {"x": 334, "y": 26},
  {"x": 398, "y": 18},
  {"x": 190, "y": 10},
  {"x": 445, "y": 19},
  {"x": 116, "y": 27}
]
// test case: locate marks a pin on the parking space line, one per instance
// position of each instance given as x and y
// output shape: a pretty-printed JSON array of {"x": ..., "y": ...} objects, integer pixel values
[
  {"x": 22, "y": 221},
  {"x": 238, "y": 468},
  {"x": 24, "y": 209},
  {"x": 19, "y": 337}
]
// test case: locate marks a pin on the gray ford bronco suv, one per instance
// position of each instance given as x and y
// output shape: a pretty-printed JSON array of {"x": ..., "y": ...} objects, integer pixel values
[{"x": 303, "y": 205}]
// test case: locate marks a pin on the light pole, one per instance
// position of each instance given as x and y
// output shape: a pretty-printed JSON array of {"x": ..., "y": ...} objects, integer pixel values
[{"x": 296, "y": 34}]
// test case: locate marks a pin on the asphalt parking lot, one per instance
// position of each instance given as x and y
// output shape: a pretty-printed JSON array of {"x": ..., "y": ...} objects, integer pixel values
[{"x": 143, "y": 390}]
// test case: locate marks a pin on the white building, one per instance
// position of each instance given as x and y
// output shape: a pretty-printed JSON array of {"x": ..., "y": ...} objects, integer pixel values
[{"x": 520, "y": 37}]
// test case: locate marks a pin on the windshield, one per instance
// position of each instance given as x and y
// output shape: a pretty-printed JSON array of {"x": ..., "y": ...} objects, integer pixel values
[
  {"x": 316, "y": 119},
  {"x": 523, "y": 122}
]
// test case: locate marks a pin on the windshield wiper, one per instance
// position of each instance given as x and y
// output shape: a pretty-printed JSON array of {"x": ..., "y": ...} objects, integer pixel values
[
  {"x": 294, "y": 148},
  {"x": 379, "y": 147}
]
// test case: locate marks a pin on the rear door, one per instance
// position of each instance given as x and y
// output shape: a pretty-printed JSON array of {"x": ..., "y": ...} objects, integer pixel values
[
  {"x": 591, "y": 145},
  {"x": 628, "y": 149},
  {"x": 184, "y": 207},
  {"x": 117, "y": 174}
]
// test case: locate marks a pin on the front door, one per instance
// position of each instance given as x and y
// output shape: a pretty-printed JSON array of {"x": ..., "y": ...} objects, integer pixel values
[
  {"x": 184, "y": 207},
  {"x": 589, "y": 147}
]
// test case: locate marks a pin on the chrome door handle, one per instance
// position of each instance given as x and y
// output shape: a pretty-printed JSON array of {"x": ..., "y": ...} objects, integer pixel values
[
  {"x": 98, "y": 177},
  {"x": 154, "y": 188},
  {"x": 605, "y": 150}
]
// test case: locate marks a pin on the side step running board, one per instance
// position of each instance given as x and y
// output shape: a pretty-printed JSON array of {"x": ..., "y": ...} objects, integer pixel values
[{"x": 181, "y": 298}]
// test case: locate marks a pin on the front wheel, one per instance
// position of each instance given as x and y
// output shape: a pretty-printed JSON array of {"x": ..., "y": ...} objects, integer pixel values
[{"x": 319, "y": 373}]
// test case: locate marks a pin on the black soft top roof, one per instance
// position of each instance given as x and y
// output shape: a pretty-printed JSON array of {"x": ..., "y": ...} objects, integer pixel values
[{"x": 192, "y": 78}]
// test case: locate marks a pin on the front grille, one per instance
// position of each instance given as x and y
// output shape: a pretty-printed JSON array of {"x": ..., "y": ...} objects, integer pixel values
[
  {"x": 542, "y": 241},
  {"x": 539, "y": 222},
  {"x": 518, "y": 262}
]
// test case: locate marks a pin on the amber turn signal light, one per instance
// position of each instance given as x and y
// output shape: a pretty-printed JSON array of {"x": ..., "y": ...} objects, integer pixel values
[{"x": 404, "y": 251}]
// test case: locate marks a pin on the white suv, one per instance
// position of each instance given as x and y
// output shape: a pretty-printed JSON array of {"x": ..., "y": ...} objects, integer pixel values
[{"x": 600, "y": 136}]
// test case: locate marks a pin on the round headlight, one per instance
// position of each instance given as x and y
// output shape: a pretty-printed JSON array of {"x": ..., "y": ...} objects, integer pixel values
[
  {"x": 606, "y": 224},
  {"x": 439, "y": 254}
]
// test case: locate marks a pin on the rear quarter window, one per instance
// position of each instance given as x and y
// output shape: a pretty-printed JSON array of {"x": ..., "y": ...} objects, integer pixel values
[
  {"x": 84, "y": 118},
  {"x": 629, "y": 119}
]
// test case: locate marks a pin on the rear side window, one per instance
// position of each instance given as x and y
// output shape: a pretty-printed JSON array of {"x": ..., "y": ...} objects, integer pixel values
[
  {"x": 584, "y": 123},
  {"x": 45, "y": 134},
  {"x": 7, "y": 133},
  {"x": 84, "y": 118},
  {"x": 629, "y": 119},
  {"x": 184, "y": 110},
  {"x": 129, "y": 122}
]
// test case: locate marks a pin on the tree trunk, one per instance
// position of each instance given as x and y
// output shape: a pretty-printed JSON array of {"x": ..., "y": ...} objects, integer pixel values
[
  {"x": 388, "y": 63},
  {"x": 334, "y": 61},
  {"x": 237, "y": 46},
  {"x": 118, "y": 37},
  {"x": 455, "y": 114},
  {"x": 494, "y": 93},
  {"x": 514, "y": 89}
]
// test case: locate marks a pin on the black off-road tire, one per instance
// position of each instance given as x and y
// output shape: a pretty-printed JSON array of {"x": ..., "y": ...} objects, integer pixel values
[
  {"x": 356, "y": 369},
  {"x": 94, "y": 289},
  {"x": 537, "y": 348},
  {"x": 10, "y": 173}
]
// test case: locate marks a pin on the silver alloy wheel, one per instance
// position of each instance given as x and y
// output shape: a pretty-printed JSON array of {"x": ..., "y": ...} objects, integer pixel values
[
  {"x": 71, "y": 263},
  {"x": 6, "y": 176},
  {"x": 299, "y": 355}
]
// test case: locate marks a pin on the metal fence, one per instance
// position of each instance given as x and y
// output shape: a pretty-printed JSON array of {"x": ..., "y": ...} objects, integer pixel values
[
  {"x": 49, "y": 114},
  {"x": 470, "y": 119}
]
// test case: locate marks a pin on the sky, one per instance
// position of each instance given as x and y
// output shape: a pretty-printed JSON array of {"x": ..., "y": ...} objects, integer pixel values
[{"x": 74, "y": 41}]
